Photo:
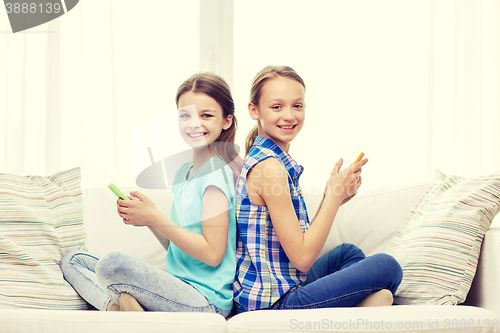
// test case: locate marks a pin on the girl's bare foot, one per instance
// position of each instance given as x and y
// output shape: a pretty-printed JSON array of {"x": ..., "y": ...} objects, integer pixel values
[
  {"x": 112, "y": 306},
  {"x": 129, "y": 303},
  {"x": 380, "y": 298}
]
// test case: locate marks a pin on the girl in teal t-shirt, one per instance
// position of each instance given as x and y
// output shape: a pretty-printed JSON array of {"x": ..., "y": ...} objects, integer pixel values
[{"x": 200, "y": 234}]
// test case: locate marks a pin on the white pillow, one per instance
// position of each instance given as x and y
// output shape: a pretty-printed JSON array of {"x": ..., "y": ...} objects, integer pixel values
[
  {"x": 40, "y": 220},
  {"x": 438, "y": 245}
]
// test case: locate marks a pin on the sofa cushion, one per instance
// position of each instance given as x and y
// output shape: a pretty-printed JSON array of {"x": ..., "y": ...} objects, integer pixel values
[
  {"x": 40, "y": 221},
  {"x": 438, "y": 244}
]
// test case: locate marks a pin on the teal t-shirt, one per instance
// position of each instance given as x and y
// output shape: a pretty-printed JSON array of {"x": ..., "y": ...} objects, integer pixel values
[{"x": 215, "y": 283}]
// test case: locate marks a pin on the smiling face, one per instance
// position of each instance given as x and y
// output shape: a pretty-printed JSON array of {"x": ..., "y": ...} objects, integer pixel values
[
  {"x": 281, "y": 110},
  {"x": 201, "y": 119}
]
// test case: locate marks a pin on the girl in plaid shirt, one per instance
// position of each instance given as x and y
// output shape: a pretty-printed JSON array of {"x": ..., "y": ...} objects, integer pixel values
[{"x": 277, "y": 245}]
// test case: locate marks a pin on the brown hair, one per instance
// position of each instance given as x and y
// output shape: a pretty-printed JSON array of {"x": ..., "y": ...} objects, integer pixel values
[
  {"x": 268, "y": 72},
  {"x": 216, "y": 87}
]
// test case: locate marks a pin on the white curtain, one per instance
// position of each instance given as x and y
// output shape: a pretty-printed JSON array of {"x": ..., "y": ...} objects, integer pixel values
[
  {"x": 23, "y": 97},
  {"x": 464, "y": 86}
]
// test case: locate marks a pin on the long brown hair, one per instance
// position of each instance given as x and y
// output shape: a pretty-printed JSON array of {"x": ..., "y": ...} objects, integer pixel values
[
  {"x": 268, "y": 72},
  {"x": 216, "y": 87}
]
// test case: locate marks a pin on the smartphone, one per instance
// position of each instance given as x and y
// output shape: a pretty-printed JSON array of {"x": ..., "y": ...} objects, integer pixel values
[
  {"x": 359, "y": 158},
  {"x": 117, "y": 192}
]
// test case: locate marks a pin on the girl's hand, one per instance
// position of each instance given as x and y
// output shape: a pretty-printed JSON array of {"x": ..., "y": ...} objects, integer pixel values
[
  {"x": 344, "y": 184},
  {"x": 138, "y": 211}
]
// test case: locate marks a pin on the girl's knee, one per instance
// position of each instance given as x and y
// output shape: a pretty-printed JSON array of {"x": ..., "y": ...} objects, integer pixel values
[
  {"x": 68, "y": 258},
  {"x": 393, "y": 266},
  {"x": 110, "y": 265},
  {"x": 351, "y": 251}
]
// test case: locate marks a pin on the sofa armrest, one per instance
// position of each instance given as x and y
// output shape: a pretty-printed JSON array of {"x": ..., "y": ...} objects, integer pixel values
[{"x": 485, "y": 290}]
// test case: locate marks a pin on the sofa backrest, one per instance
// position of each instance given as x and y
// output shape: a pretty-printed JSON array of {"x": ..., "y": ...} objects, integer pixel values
[{"x": 371, "y": 218}]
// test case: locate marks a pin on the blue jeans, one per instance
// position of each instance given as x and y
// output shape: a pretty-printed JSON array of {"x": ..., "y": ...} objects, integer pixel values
[
  {"x": 343, "y": 277},
  {"x": 99, "y": 281}
]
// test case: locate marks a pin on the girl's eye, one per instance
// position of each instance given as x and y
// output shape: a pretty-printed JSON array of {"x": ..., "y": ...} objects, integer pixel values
[
  {"x": 184, "y": 115},
  {"x": 206, "y": 115},
  {"x": 276, "y": 107},
  {"x": 298, "y": 106}
]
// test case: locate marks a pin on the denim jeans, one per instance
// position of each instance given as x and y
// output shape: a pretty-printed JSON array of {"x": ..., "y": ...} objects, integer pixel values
[
  {"x": 341, "y": 278},
  {"x": 99, "y": 280}
]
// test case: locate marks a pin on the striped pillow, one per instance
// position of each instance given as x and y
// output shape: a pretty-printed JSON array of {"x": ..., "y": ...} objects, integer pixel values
[
  {"x": 41, "y": 219},
  {"x": 439, "y": 242}
]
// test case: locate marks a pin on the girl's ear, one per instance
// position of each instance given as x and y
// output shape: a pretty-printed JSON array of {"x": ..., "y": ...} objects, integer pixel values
[
  {"x": 252, "y": 109},
  {"x": 228, "y": 122}
]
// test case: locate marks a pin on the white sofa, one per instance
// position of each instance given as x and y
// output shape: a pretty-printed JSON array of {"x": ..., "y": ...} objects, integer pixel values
[{"x": 369, "y": 220}]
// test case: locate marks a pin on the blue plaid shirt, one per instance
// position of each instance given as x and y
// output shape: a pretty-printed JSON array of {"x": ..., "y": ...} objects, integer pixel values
[{"x": 264, "y": 272}]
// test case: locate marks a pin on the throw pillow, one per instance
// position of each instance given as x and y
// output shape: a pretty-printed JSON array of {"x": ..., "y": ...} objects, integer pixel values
[
  {"x": 41, "y": 219},
  {"x": 438, "y": 244}
]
